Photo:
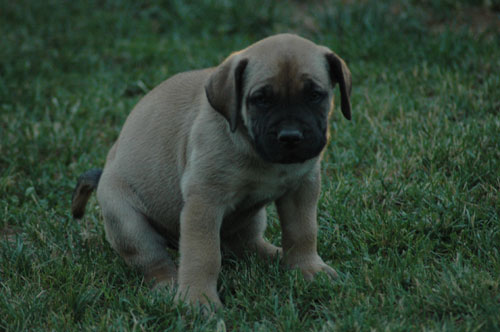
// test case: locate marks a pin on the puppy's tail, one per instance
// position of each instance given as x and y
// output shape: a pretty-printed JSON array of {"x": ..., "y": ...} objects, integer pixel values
[{"x": 87, "y": 182}]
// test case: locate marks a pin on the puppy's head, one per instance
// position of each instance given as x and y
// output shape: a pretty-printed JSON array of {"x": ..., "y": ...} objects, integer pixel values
[{"x": 280, "y": 90}]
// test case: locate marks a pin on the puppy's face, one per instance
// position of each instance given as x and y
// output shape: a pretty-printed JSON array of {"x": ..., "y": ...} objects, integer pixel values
[
  {"x": 286, "y": 114},
  {"x": 280, "y": 90}
]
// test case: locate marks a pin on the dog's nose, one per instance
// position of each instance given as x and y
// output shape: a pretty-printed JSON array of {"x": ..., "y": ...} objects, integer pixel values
[{"x": 290, "y": 136}]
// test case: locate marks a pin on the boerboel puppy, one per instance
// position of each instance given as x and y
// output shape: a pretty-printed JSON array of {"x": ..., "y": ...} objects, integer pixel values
[{"x": 203, "y": 153}]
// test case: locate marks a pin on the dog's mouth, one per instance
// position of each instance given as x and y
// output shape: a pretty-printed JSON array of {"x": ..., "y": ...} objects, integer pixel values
[
  {"x": 279, "y": 154},
  {"x": 288, "y": 143},
  {"x": 291, "y": 159}
]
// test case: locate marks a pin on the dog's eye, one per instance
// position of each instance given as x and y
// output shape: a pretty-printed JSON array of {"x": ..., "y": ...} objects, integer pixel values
[
  {"x": 261, "y": 100},
  {"x": 316, "y": 96}
]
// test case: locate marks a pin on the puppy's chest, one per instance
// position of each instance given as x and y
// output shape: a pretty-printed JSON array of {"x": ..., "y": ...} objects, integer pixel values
[{"x": 262, "y": 188}]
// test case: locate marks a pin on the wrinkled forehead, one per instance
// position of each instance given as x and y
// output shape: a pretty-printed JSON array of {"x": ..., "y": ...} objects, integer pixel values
[{"x": 287, "y": 66}]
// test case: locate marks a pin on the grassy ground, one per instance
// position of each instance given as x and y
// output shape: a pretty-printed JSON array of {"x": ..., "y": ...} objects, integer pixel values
[{"x": 409, "y": 213}]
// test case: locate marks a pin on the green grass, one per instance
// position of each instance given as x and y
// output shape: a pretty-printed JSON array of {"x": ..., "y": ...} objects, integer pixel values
[{"x": 409, "y": 213}]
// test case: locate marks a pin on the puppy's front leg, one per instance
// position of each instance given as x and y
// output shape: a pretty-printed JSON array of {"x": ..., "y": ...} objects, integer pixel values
[
  {"x": 200, "y": 256},
  {"x": 297, "y": 214}
]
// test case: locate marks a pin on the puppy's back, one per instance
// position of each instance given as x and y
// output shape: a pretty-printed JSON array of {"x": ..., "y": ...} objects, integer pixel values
[
  {"x": 149, "y": 156},
  {"x": 165, "y": 113}
]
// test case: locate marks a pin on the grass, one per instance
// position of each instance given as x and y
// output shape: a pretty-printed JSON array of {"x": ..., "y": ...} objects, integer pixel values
[{"x": 409, "y": 213}]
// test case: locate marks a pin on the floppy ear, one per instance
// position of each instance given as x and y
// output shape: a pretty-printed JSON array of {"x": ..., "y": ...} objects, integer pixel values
[
  {"x": 224, "y": 90},
  {"x": 339, "y": 73}
]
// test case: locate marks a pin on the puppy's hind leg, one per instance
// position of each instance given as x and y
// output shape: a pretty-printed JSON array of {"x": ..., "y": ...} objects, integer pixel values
[
  {"x": 131, "y": 235},
  {"x": 250, "y": 237}
]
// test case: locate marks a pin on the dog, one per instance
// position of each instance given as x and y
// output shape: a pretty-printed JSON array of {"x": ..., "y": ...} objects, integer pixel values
[{"x": 202, "y": 154}]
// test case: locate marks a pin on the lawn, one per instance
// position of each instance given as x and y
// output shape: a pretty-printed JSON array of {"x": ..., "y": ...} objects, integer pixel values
[{"x": 410, "y": 204}]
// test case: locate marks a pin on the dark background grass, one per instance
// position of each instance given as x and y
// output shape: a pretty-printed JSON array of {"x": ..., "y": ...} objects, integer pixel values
[{"x": 409, "y": 213}]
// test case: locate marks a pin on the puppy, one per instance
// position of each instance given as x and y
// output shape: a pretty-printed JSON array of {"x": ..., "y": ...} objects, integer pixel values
[{"x": 202, "y": 154}]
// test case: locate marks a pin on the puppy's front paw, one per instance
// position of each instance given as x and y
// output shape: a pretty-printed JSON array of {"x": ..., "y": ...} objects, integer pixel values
[
  {"x": 207, "y": 300},
  {"x": 309, "y": 271},
  {"x": 311, "y": 266}
]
